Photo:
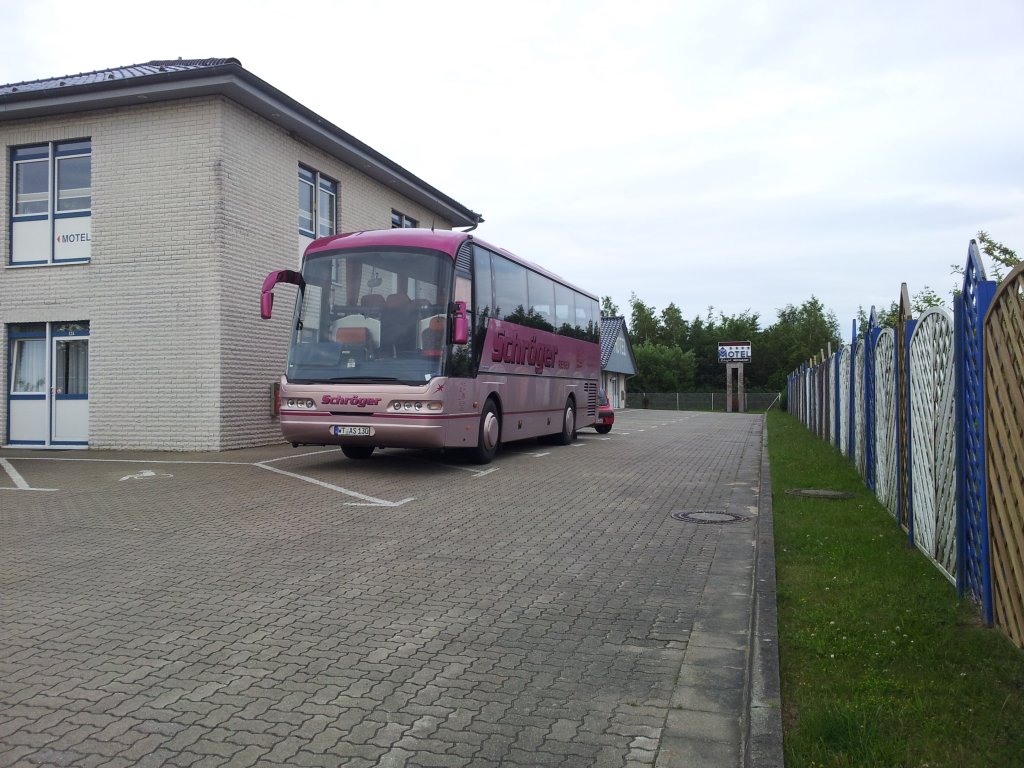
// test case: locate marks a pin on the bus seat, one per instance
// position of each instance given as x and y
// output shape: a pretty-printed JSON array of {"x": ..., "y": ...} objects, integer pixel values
[
  {"x": 397, "y": 301},
  {"x": 432, "y": 335},
  {"x": 352, "y": 337},
  {"x": 373, "y": 301},
  {"x": 357, "y": 321},
  {"x": 398, "y": 323}
]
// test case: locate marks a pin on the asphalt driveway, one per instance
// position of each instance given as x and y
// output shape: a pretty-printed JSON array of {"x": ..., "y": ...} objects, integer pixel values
[{"x": 591, "y": 605}]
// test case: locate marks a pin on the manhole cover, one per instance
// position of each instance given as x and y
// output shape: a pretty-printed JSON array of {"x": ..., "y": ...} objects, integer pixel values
[
  {"x": 820, "y": 493},
  {"x": 706, "y": 516}
]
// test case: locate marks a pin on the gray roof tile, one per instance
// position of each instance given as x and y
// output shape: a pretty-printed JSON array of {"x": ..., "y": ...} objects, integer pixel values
[
  {"x": 610, "y": 327},
  {"x": 129, "y": 72}
]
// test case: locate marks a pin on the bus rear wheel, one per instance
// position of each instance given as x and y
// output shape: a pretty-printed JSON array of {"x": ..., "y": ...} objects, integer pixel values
[
  {"x": 357, "y": 451},
  {"x": 568, "y": 433},
  {"x": 489, "y": 435}
]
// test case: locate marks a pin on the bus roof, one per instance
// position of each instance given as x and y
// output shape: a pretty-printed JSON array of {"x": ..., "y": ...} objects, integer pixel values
[{"x": 445, "y": 240}]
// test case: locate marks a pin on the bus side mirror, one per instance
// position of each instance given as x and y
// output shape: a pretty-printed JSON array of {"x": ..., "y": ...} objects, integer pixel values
[
  {"x": 460, "y": 327},
  {"x": 267, "y": 296}
]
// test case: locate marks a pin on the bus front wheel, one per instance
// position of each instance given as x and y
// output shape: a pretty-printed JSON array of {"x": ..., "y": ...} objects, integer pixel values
[
  {"x": 568, "y": 433},
  {"x": 357, "y": 451},
  {"x": 489, "y": 434}
]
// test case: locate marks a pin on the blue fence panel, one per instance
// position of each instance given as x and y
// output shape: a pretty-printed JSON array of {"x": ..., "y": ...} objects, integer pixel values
[{"x": 974, "y": 577}]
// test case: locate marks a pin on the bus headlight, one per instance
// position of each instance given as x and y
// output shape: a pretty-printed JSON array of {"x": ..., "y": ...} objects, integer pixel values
[
  {"x": 416, "y": 405},
  {"x": 300, "y": 402}
]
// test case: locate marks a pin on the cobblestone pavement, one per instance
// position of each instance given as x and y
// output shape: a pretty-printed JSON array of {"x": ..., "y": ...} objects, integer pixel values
[{"x": 588, "y": 605}]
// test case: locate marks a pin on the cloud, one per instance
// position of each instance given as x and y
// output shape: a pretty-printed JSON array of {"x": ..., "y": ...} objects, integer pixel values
[{"x": 744, "y": 155}]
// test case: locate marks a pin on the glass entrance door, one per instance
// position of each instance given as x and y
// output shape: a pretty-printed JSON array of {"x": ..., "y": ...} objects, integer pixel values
[
  {"x": 48, "y": 384},
  {"x": 70, "y": 387}
]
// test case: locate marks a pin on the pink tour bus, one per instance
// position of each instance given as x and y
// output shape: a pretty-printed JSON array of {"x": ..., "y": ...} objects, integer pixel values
[{"x": 412, "y": 338}]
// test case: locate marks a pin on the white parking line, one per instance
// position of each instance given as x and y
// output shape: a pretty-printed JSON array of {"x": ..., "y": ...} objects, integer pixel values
[
  {"x": 19, "y": 481},
  {"x": 297, "y": 456},
  {"x": 471, "y": 470},
  {"x": 367, "y": 500}
]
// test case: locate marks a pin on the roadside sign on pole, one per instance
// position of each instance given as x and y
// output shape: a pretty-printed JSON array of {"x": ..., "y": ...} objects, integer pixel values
[{"x": 734, "y": 351}]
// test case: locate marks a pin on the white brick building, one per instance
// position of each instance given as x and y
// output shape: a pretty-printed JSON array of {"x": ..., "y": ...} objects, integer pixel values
[{"x": 144, "y": 206}]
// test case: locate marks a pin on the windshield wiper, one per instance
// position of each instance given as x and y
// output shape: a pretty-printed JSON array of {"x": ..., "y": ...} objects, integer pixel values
[{"x": 363, "y": 379}]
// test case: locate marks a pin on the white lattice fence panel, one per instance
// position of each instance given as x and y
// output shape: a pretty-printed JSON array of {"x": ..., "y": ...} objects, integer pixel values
[
  {"x": 844, "y": 401},
  {"x": 885, "y": 421},
  {"x": 933, "y": 438},
  {"x": 860, "y": 408},
  {"x": 831, "y": 399}
]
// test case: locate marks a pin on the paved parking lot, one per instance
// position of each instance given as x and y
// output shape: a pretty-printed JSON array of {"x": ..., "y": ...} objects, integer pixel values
[{"x": 588, "y": 605}]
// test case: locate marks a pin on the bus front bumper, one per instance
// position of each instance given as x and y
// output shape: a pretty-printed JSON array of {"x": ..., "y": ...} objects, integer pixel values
[{"x": 383, "y": 431}]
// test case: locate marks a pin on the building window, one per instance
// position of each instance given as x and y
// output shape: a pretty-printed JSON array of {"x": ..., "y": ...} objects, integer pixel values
[
  {"x": 401, "y": 221},
  {"x": 327, "y": 208},
  {"x": 74, "y": 177},
  {"x": 28, "y": 366},
  {"x": 318, "y": 204},
  {"x": 31, "y": 181},
  {"x": 51, "y": 203}
]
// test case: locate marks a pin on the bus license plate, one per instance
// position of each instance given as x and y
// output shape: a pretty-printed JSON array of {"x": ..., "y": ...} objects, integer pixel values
[{"x": 338, "y": 431}]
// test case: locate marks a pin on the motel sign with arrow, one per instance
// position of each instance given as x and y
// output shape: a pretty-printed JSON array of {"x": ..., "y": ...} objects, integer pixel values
[{"x": 734, "y": 351}]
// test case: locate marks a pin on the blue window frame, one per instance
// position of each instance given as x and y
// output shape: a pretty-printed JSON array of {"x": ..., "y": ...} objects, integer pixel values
[
  {"x": 51, "y": 184},
  {"x": 400, "y": 221},
  {"x": 318, "y": 204},
  {"x": 27, "y": 360},
  {"x": 327, "y": 208}
]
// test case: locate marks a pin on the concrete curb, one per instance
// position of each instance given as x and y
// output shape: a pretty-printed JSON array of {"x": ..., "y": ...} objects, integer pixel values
[{"x": 763, "y": 737}]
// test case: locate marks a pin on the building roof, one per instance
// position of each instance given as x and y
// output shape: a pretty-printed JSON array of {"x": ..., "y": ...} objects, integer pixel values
[
  {"x": 611, "y": 329},
  {"x": 163, "y": 80},
  {"x": 115, "y": 73}
]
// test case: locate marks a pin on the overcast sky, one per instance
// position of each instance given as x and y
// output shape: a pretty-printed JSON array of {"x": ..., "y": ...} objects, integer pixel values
[{"x": 745, "y": 155}]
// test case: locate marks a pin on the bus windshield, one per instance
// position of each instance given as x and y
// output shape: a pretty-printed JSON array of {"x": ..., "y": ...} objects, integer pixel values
[{"x": 369, "y": 316}]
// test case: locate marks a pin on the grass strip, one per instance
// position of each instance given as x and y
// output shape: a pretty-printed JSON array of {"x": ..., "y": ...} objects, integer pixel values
[{"x": 881, "y": 663}]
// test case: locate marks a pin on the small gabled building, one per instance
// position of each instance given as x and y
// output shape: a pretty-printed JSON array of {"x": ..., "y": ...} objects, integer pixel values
[
  {"x": 143, "y": 206},
  {"x": 617, "y": 361}
]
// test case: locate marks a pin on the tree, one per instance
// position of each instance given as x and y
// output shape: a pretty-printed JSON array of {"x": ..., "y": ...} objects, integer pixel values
[
  {"x": 999, "y": 255},
  {"x": 662, "y": 368},
  {"x": 888, "y": 318},
  {"x": 608, "y": 307},
  {"x": 674, "y": 329},
  {"x": 643, "y": 325},
  {"x": 799, "y": 334}
]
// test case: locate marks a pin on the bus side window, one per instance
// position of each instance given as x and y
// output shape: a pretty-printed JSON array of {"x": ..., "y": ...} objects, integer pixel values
[
  {"x": 484, "y": 293},
  {"x": 461, "y": 360},
  {"x": 583, "y": 318},
  {"x": 542, "y": 294},
  {"x": 565, "y": 309},
  {"x": 511, "y": 299},
  {"x": 464, "y": 290}
]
